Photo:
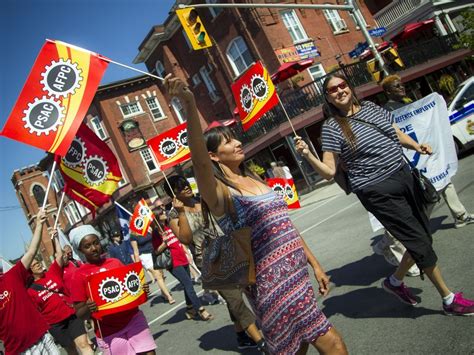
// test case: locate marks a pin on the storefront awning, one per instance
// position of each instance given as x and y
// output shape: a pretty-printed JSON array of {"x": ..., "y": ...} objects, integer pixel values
[{"x": 411, "y": 29}]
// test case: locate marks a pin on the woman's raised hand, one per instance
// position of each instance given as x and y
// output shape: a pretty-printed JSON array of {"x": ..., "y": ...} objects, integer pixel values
[
  {"x": 178, "y": 205},
  {"x": 301, "y": 146},
  {"x": 177, "y": 87}
]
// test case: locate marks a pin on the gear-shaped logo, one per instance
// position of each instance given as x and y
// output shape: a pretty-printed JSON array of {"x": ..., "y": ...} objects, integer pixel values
[
  {"x": 43, "y": 115},
  {"x": 95, "y": 170},
  {"x": 280, "y": 190},
  {"x": 259, "y": 87},
  {"x": 143, "y": 211},
  {"x": 61, "y": 78},
  {"x": 183, "y": 138},
  {"x": 110, "y": 289},
  {"x": 246, "y": 98},
  {"x": 76, "y": 153},
  {"x": 131, "y": 283},
  {"x": 289, "y": 192},
  {"x": 168, "y": 147},
  {"x": 139, "y": 223}
]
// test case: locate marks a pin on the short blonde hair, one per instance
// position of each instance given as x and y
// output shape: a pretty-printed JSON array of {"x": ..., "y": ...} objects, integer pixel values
[{"x": 389, "y": 81}]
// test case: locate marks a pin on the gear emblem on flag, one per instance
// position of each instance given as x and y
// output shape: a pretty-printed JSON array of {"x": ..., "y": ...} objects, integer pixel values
[
  {"x": 289, "y": 192},
  {"x": 259, "y": 87},
  {"x": 168, "y": 147},
  {"x": 183, "y": 138},
  {"x": 110, "y": 289},
  {"x": 132, "y": 283},
  {"x": 61, "y": 78},
  {"x": 76, "y": 153},
  {"x": 279, "y": 189},
  {"x": 95, "y": 170},
  {"x": 143, "y": 211},
  {"x": 139, "y": 223},
  {"x": 43, "y": 115},
  {"x": 246, "y": 98}
]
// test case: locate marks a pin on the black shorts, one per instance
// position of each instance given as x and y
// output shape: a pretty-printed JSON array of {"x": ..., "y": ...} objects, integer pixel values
[{"x": 66, "y": 331}]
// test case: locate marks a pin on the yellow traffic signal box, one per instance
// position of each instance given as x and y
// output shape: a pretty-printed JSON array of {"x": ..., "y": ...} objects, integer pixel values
[{"x": 194, "y": 28}]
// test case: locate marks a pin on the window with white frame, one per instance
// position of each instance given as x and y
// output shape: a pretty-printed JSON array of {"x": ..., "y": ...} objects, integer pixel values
[
  {"x": 317, "y": 71},
  {"x": 211, "y": 88},
  {"x": 337, "y": 24},
  {"x": 178, "y": 109},
  {"x": 214, "y": 10},
  {"x": 83, "y": 211},
  {"x": 149, "y": 160},
  {"x": 72, "y": 213},
  {"x": 98, "y": 127},
  {"x": 196, "y": 80},
  {"x": 131, "y": 109},
  {"x": 190, "y": 46},
  {"x": 155, "y": 108},
  {"x": 293, "y": 25},
  {"x": 58, "y": 181},
  {"x": 239, "y": 55},
  {"x": 160, "y": 69}
]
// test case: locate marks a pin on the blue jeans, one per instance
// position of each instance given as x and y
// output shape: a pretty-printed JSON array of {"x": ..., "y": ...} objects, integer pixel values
[{"x": 183, "y": 276}]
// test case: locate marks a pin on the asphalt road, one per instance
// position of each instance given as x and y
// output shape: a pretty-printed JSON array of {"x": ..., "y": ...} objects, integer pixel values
[{"x": 337, "y": 229}]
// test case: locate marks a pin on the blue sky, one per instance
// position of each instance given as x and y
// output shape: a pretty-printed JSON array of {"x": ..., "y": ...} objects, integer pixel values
[{"x": 113, "y": 28}]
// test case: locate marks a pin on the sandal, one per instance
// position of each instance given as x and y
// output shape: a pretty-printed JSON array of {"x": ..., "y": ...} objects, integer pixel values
[
  {"x": 205, "y": 315},
  {"x": 190, "y": 313}
]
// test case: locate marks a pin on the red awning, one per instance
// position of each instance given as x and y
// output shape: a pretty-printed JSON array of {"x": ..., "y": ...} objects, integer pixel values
[
  {"x": 411, "y": 29},
  {"x": 221, "y": 123},
  {"x": 287, "y": 70}
]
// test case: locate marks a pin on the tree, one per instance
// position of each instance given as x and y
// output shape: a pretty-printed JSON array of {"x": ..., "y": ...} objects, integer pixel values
[{"x": 466, "y": 37}]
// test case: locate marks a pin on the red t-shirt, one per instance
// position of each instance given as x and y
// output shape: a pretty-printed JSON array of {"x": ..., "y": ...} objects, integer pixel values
[
  {"x": 178, "y": 255},
  {"x": 21, "y": 325},
  {"x": 68, "y": 272},
  {"x": 109, "y": 324},
  {"x": 52, "y": 304}
]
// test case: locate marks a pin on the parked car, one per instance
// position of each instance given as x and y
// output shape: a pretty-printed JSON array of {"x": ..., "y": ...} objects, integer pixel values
[{"x": 461, "y": 115}]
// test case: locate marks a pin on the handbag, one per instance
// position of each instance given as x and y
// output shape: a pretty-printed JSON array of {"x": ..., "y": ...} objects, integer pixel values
[
  {"x": 227, "y": 259},
  {"x": 163, "y": 260}
]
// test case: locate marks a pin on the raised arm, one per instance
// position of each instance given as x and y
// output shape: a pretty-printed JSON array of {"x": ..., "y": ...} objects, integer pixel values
[
  {"x": 58, "y": 251},
  {"x": 27, "y": 258},
  {"x": 325, "y": 168},
  {"x": 407, "y": 142},
  {"x": 202, "y": 164}
]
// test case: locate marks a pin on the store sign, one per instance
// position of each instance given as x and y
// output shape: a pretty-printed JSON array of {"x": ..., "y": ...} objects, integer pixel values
[
  {"x": 378, "y": 32},
  {"x": 297, "y": 52}
]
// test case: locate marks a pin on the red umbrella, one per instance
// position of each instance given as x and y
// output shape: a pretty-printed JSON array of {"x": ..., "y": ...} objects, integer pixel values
[
  {"x": 380, "y": 47},
  {"x": 411, "y": 29},
  {"x": 287, "y": 70}
]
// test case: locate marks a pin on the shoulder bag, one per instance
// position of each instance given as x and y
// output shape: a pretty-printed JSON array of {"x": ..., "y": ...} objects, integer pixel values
[
  {"x": 163, "y": 260},
  {"x": 227, "y": 258}
]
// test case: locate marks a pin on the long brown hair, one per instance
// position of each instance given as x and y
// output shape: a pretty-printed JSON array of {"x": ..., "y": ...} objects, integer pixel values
[{"x": 331, "y": 111}]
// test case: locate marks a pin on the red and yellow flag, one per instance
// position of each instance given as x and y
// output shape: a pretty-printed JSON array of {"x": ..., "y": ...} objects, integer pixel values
[
  {"x": 90, "y": 170},
  {"x": 286, "y": 189},
  {"x": 254, "y": 94},
  {"x": 141, "y": 218},
  {"x": 171, "y": 148},
  {"x": 55, "y": 97},
  {"x": 117, "y": 290}
]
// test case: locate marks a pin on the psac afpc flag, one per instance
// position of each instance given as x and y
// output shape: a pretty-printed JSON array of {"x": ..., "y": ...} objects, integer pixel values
[
  {"x": 254, "y": 94},
  {"x": 118, "y": 289},
  {"x": 171, "y": 148},
  {"x": 55, "y": 97},
  {"x": 427, "y": 121},
  {"x": 286, "y": 189},
  {"x": 90, "y": 169},
  {"x": 141, "y": 218}
]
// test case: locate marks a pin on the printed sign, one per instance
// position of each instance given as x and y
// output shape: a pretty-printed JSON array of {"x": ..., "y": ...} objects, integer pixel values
[
  {"x": 297, "y": 52},
  {"x": 378, "y": 32},
  {"x": 171, "y": 148},
  {"x": 286, "y": 189},
  {"x": 141, "y": 218}
]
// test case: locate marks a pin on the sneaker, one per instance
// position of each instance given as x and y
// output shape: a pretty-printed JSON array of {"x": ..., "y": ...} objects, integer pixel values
[
  {"x": 245, "y": 342},
  {"x": 463, "y": 220},
  {"x": 402, "y": 292},
  {"x": 459, "y": 307},
  {"x": 413, "y": 271}
]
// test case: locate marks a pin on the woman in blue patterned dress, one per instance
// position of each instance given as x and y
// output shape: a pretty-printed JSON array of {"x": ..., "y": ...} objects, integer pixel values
[{"x": 283, "y": 297}]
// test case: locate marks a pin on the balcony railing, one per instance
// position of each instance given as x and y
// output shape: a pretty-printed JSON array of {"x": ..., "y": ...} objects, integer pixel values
[
  {"x": 396, "y": 10},
  {"x": 309, "y": 96}
]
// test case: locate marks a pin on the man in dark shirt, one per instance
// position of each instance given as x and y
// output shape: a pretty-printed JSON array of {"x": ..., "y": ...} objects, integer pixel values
[{"x": 119, "y": 250}]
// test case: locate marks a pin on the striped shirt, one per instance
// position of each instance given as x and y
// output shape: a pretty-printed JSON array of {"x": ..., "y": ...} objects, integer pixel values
[{"x": 376, "y": 156}]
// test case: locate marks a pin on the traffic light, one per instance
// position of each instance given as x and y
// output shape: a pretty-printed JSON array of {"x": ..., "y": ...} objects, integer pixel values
[
  {"x": 194, "y": 28},
  {"x": 392, "y": 62}
]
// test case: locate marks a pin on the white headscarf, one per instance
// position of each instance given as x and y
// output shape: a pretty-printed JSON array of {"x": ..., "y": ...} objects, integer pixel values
[{"x": 77, "y": 234}]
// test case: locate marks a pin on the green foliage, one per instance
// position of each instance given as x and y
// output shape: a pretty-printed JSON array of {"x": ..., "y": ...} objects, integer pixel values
[{"x": 467, "y": 36}]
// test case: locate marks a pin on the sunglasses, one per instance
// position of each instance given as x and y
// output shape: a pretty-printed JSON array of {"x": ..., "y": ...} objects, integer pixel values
[{"x": 333, "y": 89}]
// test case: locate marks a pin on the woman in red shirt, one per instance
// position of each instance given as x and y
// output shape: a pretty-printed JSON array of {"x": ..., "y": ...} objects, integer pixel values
[
  {"x": 180, "y": 268},
  {"x": 48, "y": 294}
]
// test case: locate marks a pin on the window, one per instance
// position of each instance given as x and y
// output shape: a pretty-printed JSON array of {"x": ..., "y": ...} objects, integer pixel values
[
  {"x": 317, "y": 71},
  {"x": 211, "y": 88},
  {"x": 214, "y": 10},
  {"x": 293, "y": 25},
  {"x": 190, "y": 46},
  {"x": 72, "y": 213},
  {"x": 160, "y": 69},
  {"x": 337, "y": 24},
  {"x": 98, "y": 127},
  {"x": 39, "y": 194},
  {"x": 196, "y": 79},
  {"x": 131, "y": 109},
  {"x": 178, "y": 109},
  {"x": 58, "y": 181},
  {"x": 155, "y": 108},
  {"x": 149, "y": 160},
  {"x": 239, "y": 55}
]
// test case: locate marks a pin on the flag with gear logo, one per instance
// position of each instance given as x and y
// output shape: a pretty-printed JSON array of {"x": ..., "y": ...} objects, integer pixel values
[
  {"x": 254, "y": 94},
  {"x": 118, "y": 289},
  {"x": 141, "y": 218},
  {"x": 171, "y": 147},
  {"x": 90, "y": 170},
  {"x": 55, "y": 97},
  {"x": 286, "y": 189}
]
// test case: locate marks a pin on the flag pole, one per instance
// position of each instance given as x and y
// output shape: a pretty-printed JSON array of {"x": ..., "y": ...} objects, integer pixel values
[
  {"x": 59, "y": 210},
  {"x": 123, "y": 208},
  {"x": 168, "y": 183},
  {"x": 132, "y": 68},
  {"x": 49, "y": 184}
]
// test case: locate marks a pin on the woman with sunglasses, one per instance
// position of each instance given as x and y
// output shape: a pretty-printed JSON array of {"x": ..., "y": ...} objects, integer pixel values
[
  {"x": 282, "y": 298},
  {"x": 369, "y": 143}
]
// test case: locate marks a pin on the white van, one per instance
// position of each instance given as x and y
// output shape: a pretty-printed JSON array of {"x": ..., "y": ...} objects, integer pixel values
[{"x": 461, "y": 115}]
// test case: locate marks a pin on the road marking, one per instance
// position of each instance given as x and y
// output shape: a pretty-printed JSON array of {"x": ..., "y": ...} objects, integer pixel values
[
  {"x": 316, "y": 207},
  {"x": 167, "y": 285},
  {"x": 172, "y": 309},
  {"x": 324, "y": 220}
]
